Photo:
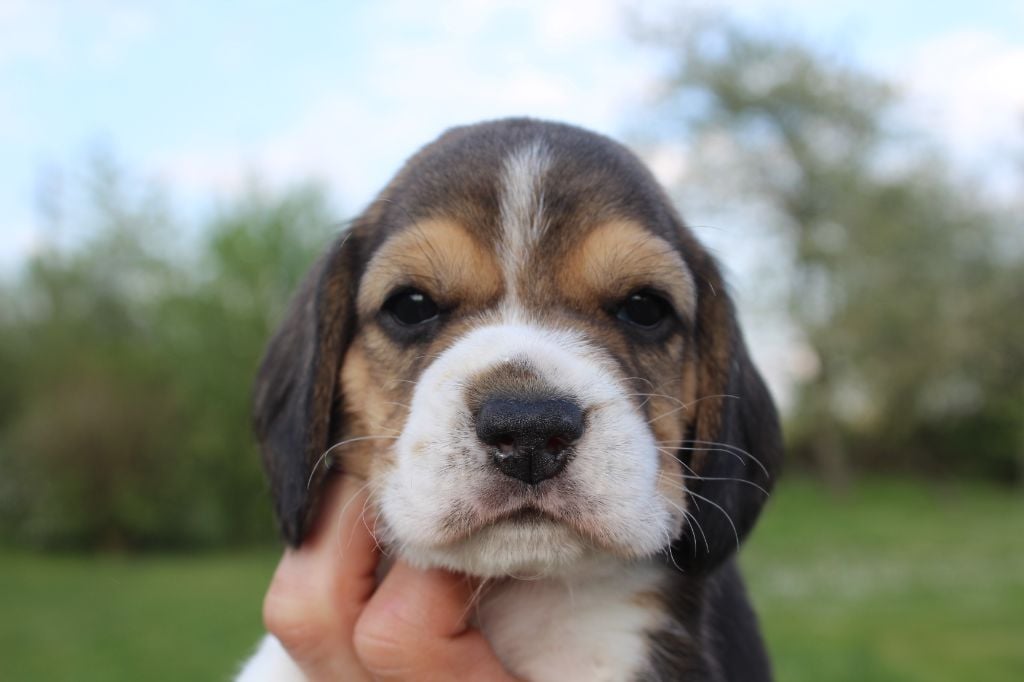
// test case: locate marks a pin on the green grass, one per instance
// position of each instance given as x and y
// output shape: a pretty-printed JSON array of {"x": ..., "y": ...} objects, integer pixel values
[
  {"x": 110, "y": 618},
  {"x": 894, "y": 581}
]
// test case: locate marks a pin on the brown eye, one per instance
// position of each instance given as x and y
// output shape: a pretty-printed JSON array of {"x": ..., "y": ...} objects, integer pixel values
[
  {"x": 644, "y": 309},
  {"x": 411, "y": 307}
]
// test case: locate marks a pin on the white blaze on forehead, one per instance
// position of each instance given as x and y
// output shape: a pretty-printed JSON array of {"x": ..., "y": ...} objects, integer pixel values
[{"x": 522, "y": 207}]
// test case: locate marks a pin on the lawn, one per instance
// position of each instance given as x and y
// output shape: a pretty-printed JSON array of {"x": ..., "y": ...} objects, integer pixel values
[
  {"x": 123, "y": 618},
  {"x": 893, "y": 581}
]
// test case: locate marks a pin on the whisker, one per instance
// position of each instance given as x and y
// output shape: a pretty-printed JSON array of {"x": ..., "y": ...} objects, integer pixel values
[
  {"x": 728, "y": 446},
  {"x": 644, "y": 403},
  {"x": 687, "y": 516},
  {"x": 668, "y": 414},
  {"x": 693, "y": 536},
  {"x": 713, "y": 395},
  {"x": 735, "y": 451},
  {"x": 698, "y": 477},
  {"x": 684, "y": 406},
  {"x": 694, "y": 476},
  {"x": 735, "y": 455},
  {"x": 344, "y": 507},
  {"x": 672, "y": 453},
  {"x": 672, "y": 557},
  {"x": 373, "y": 531},
  {"x": 659, "y": 395},
  {"x": 727, "y": 478},
  {"x": 700, "y": 528},
  {"x": 720, "y": 508},
  {"x": 646, "y": 381},
  {"x": 474, "y": 599},
  {"x": 328, "y": 451}
]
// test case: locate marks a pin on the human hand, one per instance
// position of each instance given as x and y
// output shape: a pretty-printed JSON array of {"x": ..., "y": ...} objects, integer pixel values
[{"x": 336, "y": 623}]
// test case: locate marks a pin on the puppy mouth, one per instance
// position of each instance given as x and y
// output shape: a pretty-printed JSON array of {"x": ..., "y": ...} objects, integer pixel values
[
  {"x": 526, "y": 515},
  {"x": 461, "y": 527}
]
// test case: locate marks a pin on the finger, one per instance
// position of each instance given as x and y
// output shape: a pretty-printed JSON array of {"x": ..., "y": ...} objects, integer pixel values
[
  {"x": 415, "y": 627},
  {"x": 320, "y": 588}
]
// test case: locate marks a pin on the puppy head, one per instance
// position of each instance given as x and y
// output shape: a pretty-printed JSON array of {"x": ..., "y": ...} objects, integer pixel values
[{"x": 531, "y": 360}]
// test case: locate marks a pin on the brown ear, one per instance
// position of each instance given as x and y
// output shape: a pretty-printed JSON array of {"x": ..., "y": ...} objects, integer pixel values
[
  {"x": 734, "y": 440},
  {"x": 294, "y": 397}
]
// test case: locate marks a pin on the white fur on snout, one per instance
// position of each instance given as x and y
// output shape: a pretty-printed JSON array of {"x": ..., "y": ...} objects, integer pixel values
[{"x": 609, "y": 485}]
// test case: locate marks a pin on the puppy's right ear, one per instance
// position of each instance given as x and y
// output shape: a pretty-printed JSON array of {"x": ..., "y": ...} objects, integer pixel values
[{"x": 294, "y": 397}]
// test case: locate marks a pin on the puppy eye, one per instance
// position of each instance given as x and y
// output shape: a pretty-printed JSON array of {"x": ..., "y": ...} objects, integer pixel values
[
  {"x": 411, "y": 307},
  {"x": 644, "y": 309}
]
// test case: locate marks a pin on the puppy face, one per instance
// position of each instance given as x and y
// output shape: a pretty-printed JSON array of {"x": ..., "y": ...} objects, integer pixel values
[{"x": 528, "y": 357}]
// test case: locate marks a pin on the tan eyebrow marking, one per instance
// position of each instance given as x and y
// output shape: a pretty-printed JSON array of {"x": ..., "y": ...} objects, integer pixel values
[
  {"x": 620, "y": 256},
  {"x": 437, "y": 255}
]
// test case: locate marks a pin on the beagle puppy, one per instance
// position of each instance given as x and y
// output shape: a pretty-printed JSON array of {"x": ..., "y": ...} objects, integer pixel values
[{"x": 538, "y": 370}]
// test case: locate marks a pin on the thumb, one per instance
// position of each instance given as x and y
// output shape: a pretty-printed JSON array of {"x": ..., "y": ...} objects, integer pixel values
[{"x": 415, "y": 627}]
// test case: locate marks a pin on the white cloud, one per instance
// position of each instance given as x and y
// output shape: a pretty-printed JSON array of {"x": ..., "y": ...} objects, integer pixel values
[
  {"x": 124, "y": 26},
  {"x": 575, "y": 22},
  {"x": 461, "y": 64},
  {"x": 352, "y": 148},
  {"x": 29, "y": 30},
  {"x": 968, "y": 88},
  {"x": 49, "y": 31}
]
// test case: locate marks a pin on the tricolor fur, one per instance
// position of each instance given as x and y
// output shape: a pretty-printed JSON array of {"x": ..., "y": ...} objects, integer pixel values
[{"x": 528, "y": 237}]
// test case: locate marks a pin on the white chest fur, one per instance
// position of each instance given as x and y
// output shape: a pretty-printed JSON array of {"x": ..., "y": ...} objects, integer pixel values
[{"x": 591, "y": 625}]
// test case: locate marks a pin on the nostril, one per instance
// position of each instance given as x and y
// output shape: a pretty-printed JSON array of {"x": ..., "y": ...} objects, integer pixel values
[
  {"x": 506, "y": 443},
  {"x": 556, "y": 444}
]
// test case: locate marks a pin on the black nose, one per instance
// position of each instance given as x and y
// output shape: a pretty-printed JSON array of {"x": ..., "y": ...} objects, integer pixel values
[{"x": 529, "y": 439}]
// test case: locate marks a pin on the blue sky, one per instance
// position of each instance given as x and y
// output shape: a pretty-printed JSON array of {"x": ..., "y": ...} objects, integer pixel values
[{"x": 203, "y": 96}]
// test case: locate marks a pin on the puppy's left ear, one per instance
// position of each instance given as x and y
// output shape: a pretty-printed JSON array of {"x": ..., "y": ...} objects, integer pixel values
[
  {"x": 734, "y": 446},
  {"x": 294, "y": 398}
]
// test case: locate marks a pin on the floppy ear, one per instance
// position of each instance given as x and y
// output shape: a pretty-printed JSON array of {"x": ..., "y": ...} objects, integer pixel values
[
  {"x": 294, "y": 397},
  {"x": 734, "y": 439}
]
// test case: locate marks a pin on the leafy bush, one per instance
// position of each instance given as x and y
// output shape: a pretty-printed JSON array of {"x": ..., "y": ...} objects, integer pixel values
[{"x": 124, "y": 418}]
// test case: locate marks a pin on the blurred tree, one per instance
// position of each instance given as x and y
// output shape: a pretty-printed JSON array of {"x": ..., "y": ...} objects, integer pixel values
[
  {"x": 85, "y": 425},
  {"x": 214, "y": 332},
  {"x": 904, "y": 279},
  {"x": 128, "y": 359}
]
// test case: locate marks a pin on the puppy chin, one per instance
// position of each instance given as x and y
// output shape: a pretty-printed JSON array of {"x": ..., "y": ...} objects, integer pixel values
[{"x": 509, "y": 549}]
